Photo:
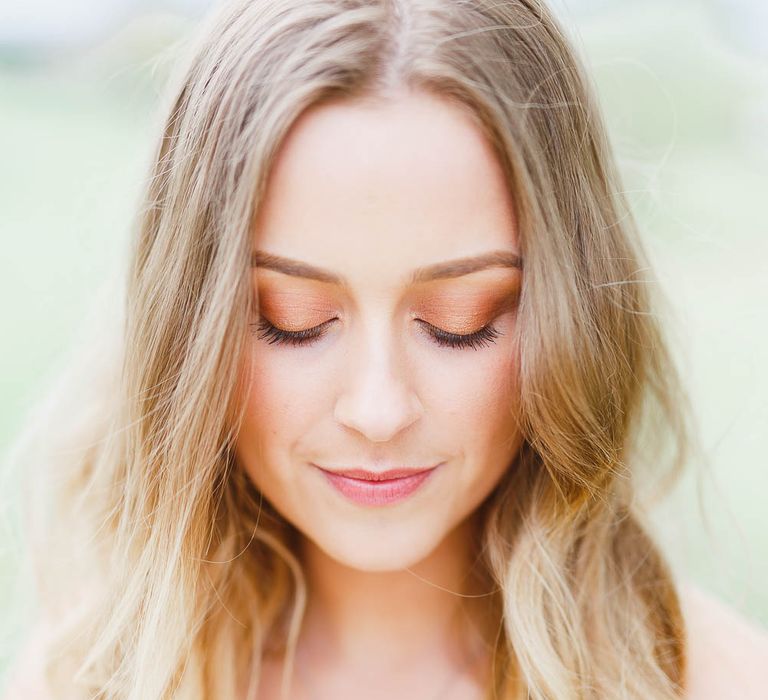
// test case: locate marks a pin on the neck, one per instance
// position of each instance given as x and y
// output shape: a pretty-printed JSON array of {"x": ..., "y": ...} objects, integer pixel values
[{"x": 437, "y": 611}]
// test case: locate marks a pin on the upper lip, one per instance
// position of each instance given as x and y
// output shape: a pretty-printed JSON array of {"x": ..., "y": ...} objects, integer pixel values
[{"x": 399, "y": 473}]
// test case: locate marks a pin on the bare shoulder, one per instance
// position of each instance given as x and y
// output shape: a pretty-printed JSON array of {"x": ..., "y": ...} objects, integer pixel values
[{"x": 727, "y": 652}]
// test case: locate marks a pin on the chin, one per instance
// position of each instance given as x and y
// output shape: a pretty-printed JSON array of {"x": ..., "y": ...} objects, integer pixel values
[{"x": 390, "y": 548}]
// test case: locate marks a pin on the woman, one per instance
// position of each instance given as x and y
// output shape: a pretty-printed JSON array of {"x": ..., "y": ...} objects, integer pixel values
[{"x": 387, "y": 388}]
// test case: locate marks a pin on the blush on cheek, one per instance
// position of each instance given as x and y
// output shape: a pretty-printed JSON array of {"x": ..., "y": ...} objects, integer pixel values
[
  {"x": 256, "y": 383},
  {"x": 244, "y": 379},
  {"x": 497, "y": 382},
  {"x": 468, "y": 389}
]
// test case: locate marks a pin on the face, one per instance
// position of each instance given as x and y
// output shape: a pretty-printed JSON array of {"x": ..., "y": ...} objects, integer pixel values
[{"x": 368, "y": 350}]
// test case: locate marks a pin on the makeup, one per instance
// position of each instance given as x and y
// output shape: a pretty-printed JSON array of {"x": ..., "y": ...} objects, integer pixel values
[{"x": 377, "y": 492}]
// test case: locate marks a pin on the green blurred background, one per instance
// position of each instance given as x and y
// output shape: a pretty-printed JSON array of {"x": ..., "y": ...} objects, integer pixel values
[{"x": 684, "y": 90}]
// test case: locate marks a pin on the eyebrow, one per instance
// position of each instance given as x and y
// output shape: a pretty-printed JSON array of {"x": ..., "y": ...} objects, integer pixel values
[{"x": 442, "y": 270}]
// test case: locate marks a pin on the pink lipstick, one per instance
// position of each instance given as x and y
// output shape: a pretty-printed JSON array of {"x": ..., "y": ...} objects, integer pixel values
[{"x": 371, "y": 488}]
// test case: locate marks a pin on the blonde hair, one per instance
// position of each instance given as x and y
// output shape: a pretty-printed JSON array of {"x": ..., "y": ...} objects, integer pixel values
[{"x": 162, "y": 572}]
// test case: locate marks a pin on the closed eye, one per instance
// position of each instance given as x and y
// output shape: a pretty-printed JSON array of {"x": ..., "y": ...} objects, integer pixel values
[{"x": 274, "y": 335}]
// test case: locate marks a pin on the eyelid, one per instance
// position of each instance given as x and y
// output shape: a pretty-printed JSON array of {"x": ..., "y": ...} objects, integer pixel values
[
  {"x": 437, "y": 329},
  {"x": 484, "y": 335},
  {"x": 273, "y": 334},
  {"x": 318, "y": 328}
]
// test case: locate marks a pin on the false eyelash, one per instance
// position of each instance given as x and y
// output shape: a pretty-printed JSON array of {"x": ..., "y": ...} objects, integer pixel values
[
  {"x": 273, "y": 335},
  {"x": 485, "y": 336}
]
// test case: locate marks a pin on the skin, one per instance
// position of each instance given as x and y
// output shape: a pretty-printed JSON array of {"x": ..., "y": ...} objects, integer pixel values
[
  {"x": 726, "y": 656},
  {"x": 414, "y": 184},
  {"x": 380, "y": 615}
]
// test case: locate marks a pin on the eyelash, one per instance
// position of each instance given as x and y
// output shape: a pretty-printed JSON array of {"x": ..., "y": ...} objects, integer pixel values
[{"x": 486, "y": 335}]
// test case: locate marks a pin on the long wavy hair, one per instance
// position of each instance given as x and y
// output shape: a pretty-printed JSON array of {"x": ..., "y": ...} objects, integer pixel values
[{"x": 161, "y": 572}]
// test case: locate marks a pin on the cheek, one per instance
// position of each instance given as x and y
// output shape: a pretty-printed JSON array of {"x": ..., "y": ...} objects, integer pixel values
[
  {"x": 478, "y": 404},
  {"x": 286, "y": 398},
  {"x": 272, "y": 413},
  {"x": 279, "y": 394},
  {"x": 475, "y": 389},
  {"x": 267, "y": 399},
  {"x": 472, "y": 394}
]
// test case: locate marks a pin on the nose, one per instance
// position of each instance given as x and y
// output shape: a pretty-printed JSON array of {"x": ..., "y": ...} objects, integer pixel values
[{"x": 377, "y": 399}]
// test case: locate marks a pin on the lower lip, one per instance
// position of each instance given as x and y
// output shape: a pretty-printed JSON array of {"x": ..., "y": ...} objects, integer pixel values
[{"x": 377, "y": 493}]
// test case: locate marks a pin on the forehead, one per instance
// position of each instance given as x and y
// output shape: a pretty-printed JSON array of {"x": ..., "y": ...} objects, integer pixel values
[{"x": 380, "y": 188}]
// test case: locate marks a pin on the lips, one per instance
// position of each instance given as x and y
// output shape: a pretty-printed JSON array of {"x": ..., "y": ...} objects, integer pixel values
[
  {"x": 377, "y": 488},
  {"x": 378, "y": 476}
]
